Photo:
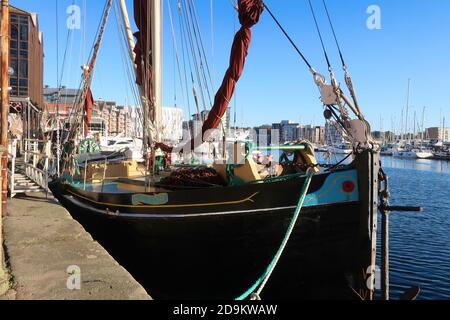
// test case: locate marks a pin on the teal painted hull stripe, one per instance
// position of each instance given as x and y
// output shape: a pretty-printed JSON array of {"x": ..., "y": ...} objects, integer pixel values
[{"x": 333, "y": 192}]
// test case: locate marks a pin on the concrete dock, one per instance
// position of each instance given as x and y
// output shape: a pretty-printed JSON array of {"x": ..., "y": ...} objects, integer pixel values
[{"x": 51, "y": 257}]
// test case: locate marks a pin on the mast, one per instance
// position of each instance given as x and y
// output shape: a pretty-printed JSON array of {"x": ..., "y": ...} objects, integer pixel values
[
  {"x": 128, "y": 30},
  {"x": 157, "y": 46},
  {"x": 407, "y": 109},
  {"x": 89, "y": 74},
  {"x": 402, "y": 127},
  {"x": 5, "y": 98},
  {"x": 423, "y": 127},
  {"x": 443, "y": 129},
  {"x": 131, "y": 45}
]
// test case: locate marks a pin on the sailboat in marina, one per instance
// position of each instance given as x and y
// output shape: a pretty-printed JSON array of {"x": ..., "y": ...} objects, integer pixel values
[
  {"x": 413, "y": 152},
  {"x": 410, "y": 151},
  {"x": 226, "y": 231}
]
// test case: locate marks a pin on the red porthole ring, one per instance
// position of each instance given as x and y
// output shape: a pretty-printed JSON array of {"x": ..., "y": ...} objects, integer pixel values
[{"x": 348, "y": 186}]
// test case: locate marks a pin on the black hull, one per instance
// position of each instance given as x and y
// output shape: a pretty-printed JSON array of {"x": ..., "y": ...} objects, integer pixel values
[{"x": 218, "y": 252}]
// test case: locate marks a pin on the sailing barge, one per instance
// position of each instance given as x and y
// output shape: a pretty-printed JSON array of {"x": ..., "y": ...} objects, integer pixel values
[{"x": 215, "y": 240}]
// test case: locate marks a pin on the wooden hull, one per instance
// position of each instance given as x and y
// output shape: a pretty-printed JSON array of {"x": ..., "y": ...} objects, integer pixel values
[{"x": 215, "y": 243}]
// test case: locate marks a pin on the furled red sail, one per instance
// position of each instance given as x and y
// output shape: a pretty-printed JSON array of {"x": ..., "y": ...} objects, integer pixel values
[
  {"x": 88, "y": 108},
  {"x": 144, "y": 71},
  {"x": 249, "y": 14}
]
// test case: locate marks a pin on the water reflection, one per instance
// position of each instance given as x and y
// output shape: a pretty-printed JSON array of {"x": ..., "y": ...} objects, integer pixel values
[
  {"x": 419, "y": 250},
  {"x": 417, "y": 164},
  {"x": 438, "y": 166}
]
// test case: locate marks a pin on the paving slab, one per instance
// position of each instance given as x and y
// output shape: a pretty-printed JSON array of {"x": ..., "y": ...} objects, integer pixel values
[{"x": 52, "y": 257}]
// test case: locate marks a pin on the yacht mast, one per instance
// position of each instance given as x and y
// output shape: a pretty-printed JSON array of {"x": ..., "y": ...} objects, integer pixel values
[
  {"x": 407, "y": 110},
  {"x": 423, "y": 127},
  {"x": 443, "y": 129}
]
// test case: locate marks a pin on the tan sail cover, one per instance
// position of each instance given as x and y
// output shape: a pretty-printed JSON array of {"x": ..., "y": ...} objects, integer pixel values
[{"x": 143, "y": 59}]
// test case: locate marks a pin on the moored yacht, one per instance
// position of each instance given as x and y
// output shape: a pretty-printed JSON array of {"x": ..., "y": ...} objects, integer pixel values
[
  {"x": 131, "y": 146},
  {"x": 342, "y": 148}
]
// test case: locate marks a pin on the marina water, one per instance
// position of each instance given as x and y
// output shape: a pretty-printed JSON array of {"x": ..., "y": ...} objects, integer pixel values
[{"x": 419, "y": 242}]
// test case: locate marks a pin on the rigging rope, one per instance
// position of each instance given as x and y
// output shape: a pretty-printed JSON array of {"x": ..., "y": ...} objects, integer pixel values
[
  {"x": 255, "y": 291},
  {"x": 195, "y": 44},
  {"x": 320, "y": 35},
  {"x": 87, "y": 77},
  {"x": 186, "y": 44},
  {"x": 202, "y": 47},
  {"x": 183, "y": 49},
  {"x": 57, "y": 43},
  {"x": 83, "y": 33},
  {"x": 348, "y": 79},
  {"x": 128, "y": 68},
  {"x": 334, "y": 33},
  {"x": 58, "y": 136},
  {"x": 190, "y": 41},
  {"x": 176, "y": 54},
  {"x": 288, "y": 37},
  {"x": 68, "y": 42},
  {"x": 212, "y": 45}
]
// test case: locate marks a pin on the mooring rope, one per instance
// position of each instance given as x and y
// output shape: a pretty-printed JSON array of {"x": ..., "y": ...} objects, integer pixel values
[{"x": 255, "y": 291}]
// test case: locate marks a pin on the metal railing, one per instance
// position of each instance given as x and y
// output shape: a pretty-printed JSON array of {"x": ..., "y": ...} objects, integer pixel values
[
  {"x": 12, "y": 152},
  {"x": 36, "y": 163}
]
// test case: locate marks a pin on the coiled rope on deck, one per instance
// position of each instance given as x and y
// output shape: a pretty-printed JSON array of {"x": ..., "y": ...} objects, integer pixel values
[{"x": 255, "y": 291}]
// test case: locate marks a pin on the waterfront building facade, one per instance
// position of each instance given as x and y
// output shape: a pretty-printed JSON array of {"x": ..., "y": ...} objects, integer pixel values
[
  {"x": 172, "y": 125},
  {"x": 25, "y": 73},
  {"x": 288, "y": 131},
  {"x": 439, "y": 134},
  {"x": 314, "y": 134},
  {"x": 61, "y": 104},
  {"x": 333, "y": 135},
  {"x": 26, "y": 57}
]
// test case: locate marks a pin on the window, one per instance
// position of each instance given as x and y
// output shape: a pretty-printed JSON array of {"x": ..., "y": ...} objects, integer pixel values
[
  {"x": 23, "y": 69},
  {"x": 15, "y": 66},
  {"x": 24, "y": 32},
  {"x": 14, "y": 32},
  {"x": 23, "y": 83},
  {"x": 19, "y": 54},
  {"x": 23, "y": 92},
  {"x": 23, "y": 54}
]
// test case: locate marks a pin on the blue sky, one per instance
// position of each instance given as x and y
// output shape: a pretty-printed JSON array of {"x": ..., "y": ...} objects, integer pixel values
[{"x": 414, "y": 42}]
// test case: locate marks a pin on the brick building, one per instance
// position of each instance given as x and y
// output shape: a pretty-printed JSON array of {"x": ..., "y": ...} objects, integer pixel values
[{"x": 26, "y": 57}]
